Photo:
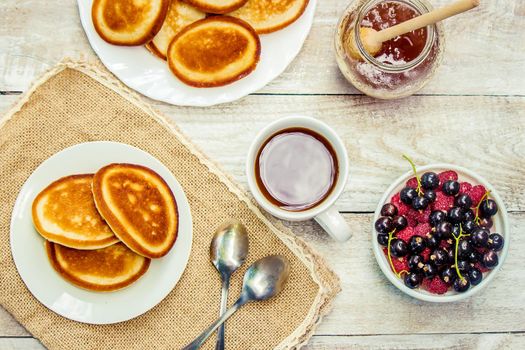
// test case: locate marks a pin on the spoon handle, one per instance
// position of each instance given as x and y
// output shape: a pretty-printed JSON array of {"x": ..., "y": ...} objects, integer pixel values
[
  {"x": 197, "y": 343},
  {"x": 224, "y": 302}
]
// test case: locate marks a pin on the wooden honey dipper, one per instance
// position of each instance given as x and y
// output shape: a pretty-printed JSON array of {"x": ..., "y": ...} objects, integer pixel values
[{"x": 373, "y": 40}]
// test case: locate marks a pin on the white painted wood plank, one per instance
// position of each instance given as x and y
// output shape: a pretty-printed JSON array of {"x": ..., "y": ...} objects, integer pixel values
[
  {"x": 484, "y": 134},
  {"x": 481, "y": 57},
  {"x": 369, "y": 304},
  {"x": 402, "y": 342}
]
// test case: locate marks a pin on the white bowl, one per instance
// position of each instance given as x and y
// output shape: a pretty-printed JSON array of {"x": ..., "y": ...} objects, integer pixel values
[{"x": 501, "y": 225}]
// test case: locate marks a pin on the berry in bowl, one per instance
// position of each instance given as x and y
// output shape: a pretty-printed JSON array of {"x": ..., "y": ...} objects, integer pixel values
[{"x": 440, "y": 233}]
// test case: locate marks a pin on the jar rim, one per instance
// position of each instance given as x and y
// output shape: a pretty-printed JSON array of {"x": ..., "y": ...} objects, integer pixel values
[{"x": 422, "y": 6}]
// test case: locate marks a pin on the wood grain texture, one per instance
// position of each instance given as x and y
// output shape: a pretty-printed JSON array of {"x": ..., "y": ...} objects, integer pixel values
[
  {"x": 370, "y": 305},
  {"x": 481, "y": 54},
  {"x": 484, "y": 134},
  {"x": 496, "y": 341}
]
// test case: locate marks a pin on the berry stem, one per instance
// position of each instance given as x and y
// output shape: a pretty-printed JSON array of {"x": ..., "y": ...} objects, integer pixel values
[
  {"x": 485, "y": 196},
  {"x": 457, "y": 238},
  {"x": 390, "y": 237},
  {"x": 418, "y": 189}
]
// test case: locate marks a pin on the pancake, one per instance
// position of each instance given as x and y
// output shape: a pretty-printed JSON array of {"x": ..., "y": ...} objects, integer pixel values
[
  {"x": 128, "y": 22},
  {"x": 217, "y": 6},
  {"x": 139, "y": 207},
  {"x": 214, "y": 51},
  {"x": 65, "y": 213},
  {"x": 179, "y": 16},
  {"x": 102, "y": 270},
  {"x": 267, "y": 16}
]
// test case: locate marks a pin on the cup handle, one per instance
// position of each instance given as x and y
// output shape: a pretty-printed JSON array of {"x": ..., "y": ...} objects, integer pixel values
[{"x": 334, "y": 224}]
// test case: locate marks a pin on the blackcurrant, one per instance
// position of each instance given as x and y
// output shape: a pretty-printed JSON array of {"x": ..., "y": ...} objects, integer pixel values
[
  {"x": 439, "y": 257},
  {"x": 400, "y": 222},
  {"x": 412, "y": 280},
  {"x": 430, "y": 195},
  {"x": 415, "y": 263},
  {"x": 451, "y": 256},
  {"x": 444, "y": 230},
  {"x": 464, "y": 248},
  {"x": 480, "y": 237},
  {"x": 416, "y": 244},
  {"x": 461, "y": 285},
  {"x": 398, "y": 248},
  {"x": 455, "y": 215},
  {"x": 449, "y": 274},
  {"x": 389, "y": 210},
  {"x": 436, "y": 217},
  {"x": 490, "y": 259},
  {"x": 451, "y": 187},
  {"x": 488, "y": 208},
  {"x": 475, "y": 256},
  {"x": 486, "y": 222},
  {"x": 468, "y": 215},
  {"x": 456, "y": 230},
  {"x": 420, "y": 203},
  {"x": 432, "y": 241},
  {"x": 382, "y": 239},
  {"x": 495, "y": 242},
  {"x": 429, "y": 270},
  {"x": 430, "y": 180},
  {"x": 469, "y": 226},
  {"x": 407, "y": 194},
  {"x": 384, "y": 224},
  {"x": 475, "y": 276},
  {"x": 464, "y": 265},
  {"x": 463, "y": 201}
]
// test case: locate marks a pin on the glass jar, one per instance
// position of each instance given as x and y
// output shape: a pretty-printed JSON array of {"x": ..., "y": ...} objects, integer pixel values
[{"x": 385, "y": 79}]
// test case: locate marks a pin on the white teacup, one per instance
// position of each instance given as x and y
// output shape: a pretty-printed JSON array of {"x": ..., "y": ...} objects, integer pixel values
[{"x": 324, "y": 212}]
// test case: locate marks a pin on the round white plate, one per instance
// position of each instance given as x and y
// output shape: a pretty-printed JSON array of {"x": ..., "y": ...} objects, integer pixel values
[
  {"x": 140, "y": 70},
  {"x": 30, "y": 257}
]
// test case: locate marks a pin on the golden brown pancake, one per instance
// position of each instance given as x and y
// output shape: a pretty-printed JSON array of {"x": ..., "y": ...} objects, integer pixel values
[
  {"x": 217, "y": 6},
  {"x": 214, "y": 51},
  {"x": 268, "y": 16},
  {"x": 128, "y": 22},
  {"x": 65, "y": 213},
  {"x": 179, "y": 16},
  {"x": 139, "y": 207},
  {"x": 101, "y": 270}
]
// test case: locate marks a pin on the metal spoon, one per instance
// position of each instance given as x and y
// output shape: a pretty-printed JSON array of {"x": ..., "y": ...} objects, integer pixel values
[
  {"x": 228, "y": 252},
  {"x": 263, "y": 280}
]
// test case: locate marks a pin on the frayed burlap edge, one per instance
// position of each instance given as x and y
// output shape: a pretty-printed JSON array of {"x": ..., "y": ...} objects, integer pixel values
[{"x": 325, "y": 278}]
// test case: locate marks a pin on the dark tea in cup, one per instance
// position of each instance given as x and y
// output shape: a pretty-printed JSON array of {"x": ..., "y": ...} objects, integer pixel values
[{"x": 296, "y": 169}]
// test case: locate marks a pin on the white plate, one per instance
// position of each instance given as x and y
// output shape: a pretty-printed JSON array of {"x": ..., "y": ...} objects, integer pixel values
[
  {"x": 501, "y": 225},
  {"x": 30, "y": 257},
  {"x": 150, "y": 76}
]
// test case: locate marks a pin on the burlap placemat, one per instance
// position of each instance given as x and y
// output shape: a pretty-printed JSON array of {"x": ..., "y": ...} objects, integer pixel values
[{"x": 78, "y": 102}]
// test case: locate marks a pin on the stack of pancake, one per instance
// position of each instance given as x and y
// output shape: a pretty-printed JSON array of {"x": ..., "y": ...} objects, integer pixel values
[
  {"x": 103, "y": 229},
  {"x": 206, "y": 43}
]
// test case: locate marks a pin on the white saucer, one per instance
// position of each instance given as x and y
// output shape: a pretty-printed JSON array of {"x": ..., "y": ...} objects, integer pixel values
[
  {"x": 30, "y": 257},
  {"x": 140, "y": 70}
]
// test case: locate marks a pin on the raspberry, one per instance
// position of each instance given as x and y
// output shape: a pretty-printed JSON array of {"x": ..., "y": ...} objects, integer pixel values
[
  {"x": 436, "y": 286},
  {"x": 476, "y": 193},
  {"x": 402, "y": 208},
  {"x": 423, "y": 215},
  {"x": 422, "y": 230},
  {"x": 447, "y": 175},
  {"x": 443, "y": 202},
  {"x": 406, "y": 234},
  {"x": 412, "y": 183},
  {"x": 426, "y": 254},
  {"x": 400, "y": 264},
  {"x": 465, "y": 187}
]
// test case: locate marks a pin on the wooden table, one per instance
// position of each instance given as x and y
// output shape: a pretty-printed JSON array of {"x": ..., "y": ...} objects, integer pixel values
[{"x": 472, "y": 114}]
